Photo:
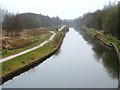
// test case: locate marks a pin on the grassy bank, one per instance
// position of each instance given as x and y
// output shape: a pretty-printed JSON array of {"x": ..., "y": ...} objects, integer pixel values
[
  {"x": 36, "y": 40},
  {"x": 26, "y": 59},
  {"x": 23, "y": 60},
  {"x": 107, "y": 39}
]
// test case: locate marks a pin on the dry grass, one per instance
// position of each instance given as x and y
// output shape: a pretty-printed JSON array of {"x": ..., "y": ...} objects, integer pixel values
[
  {"x": 27, "y": 39},
  {"x": 24, "y": 39},
  {"x": 23, "y": 60}
]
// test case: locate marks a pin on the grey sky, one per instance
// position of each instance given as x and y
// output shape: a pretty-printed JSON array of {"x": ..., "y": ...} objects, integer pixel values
[{"x": 65, "y": 9}]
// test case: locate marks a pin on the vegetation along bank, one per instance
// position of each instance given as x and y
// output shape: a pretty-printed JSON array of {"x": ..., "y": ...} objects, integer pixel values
[
  {"x": 26, "y": 61},
  {"x": 103, "y": 24}
]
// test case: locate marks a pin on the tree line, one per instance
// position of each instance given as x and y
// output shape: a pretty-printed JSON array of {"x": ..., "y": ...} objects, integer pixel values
[
  {"x": 17, "y": 22},
  {"x": 106, "y": 19}
]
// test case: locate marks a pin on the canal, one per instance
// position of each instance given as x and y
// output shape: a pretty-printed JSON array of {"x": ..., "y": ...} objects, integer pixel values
[{"x": 81, "y": 62}]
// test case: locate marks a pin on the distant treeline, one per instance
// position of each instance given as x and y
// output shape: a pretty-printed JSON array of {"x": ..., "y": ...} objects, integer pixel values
[
  {"x": 106, "y": 19},
  {"x": 18, "y": 22}
]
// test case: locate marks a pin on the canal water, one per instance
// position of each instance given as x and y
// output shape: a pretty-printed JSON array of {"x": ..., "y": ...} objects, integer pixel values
[{"x": 81, "y": 62}]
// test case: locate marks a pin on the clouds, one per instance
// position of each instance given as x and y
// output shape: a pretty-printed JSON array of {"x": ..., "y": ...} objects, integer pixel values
[{"x": 66, "y": 9}]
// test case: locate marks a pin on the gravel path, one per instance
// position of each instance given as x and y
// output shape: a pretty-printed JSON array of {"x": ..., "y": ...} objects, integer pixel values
[{"x": 29, "y": 50}]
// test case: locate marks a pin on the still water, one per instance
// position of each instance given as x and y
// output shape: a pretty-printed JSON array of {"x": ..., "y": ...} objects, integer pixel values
[{"x": 81, "y": 62}]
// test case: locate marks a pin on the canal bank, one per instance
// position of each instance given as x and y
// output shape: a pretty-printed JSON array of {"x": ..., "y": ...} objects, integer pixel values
[
  {"x": 97, "y": 35},
  {"x": 81, "y": 62},
  {"x": 54, "y": 45}
]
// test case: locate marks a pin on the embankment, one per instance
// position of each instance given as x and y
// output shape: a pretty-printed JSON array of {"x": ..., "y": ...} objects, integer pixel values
[
  {"x": 102, "y": 38},
  {"x": 108, "y": 44},
  {"x": 33, "y": 63}
]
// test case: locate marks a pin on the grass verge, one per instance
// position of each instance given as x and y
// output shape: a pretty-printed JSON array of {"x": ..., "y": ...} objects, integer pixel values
[
  {"x": 104, "y": 37},
  {"x": 36, "y": 41},
  {"x": 23, "y": 60}
]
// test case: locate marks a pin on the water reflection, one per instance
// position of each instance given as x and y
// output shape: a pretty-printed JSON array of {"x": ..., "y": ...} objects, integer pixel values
[
  {"x": 106, "y": 56},
  {"x": 74, "y": 66}
]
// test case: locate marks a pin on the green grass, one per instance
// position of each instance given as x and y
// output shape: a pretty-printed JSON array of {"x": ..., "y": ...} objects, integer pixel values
[
  {"x": 104, "y": 37},
  {"x": 92, "y": 32},
  {"x": 36, "y": 39},
  {"x": 113, "y": 40},
  {"x": 57, "y": 39},
  {"x": 23, "y": 60}
]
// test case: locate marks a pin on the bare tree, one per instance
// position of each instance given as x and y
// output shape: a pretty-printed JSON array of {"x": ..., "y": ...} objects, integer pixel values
[{"x": 2, "y": 14}]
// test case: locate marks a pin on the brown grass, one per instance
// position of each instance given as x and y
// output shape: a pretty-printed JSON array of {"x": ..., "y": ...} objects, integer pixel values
[{"x": 25, "y": 38}]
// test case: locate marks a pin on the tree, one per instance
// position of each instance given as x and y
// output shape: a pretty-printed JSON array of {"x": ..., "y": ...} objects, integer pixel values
[
  {"x": 17, "y": 22},
  {"x": 105, "y": 19},
  {"x": 2, "y": 14}
]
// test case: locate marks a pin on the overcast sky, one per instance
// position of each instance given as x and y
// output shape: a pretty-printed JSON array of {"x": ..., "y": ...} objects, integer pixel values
[{"x": 65, "y": 9}]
